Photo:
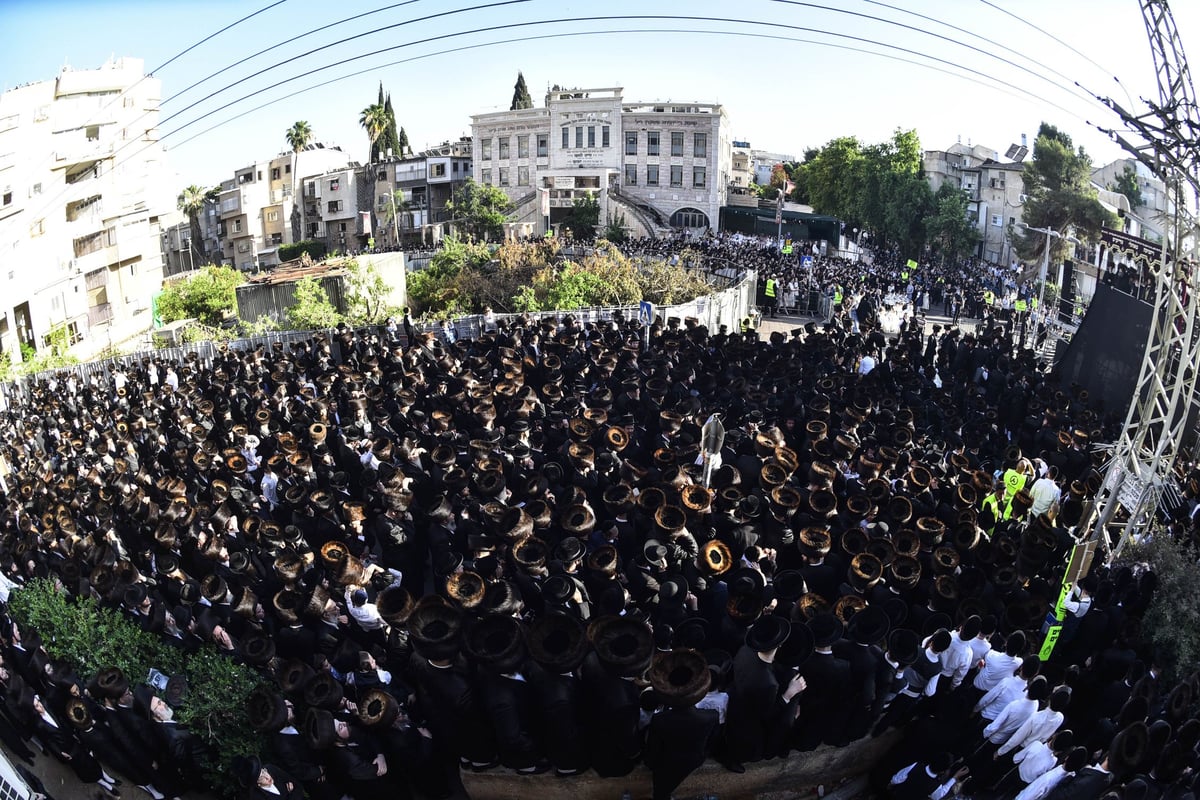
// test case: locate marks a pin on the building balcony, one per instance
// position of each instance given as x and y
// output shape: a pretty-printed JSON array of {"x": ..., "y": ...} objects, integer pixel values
[{"x": 98, "y": 315}]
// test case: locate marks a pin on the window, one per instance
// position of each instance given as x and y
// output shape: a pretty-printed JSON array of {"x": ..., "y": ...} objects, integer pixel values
[
  {"x": 543, "y": 145},
  {"x": 237, "y": 225},
  {"x": 652, "y": 174},
  {"x": 591, "y": 135},
  {"x": 631, "y": 174},
  {"x": 36, "y": 189},
  {"x": 522, "y": 176},
  {"x": 335, "y": 185},
  {"x": 93, "y": 133},
  {"x": 244, "y": 247},
  {"x": 998, "y": 220},
  {"x": 700, "y": 145},
  {"x": 437, "y": 170},
  {"x": 7, "y": 199},
  {"x": 578, "y": 136},
  {"x": 676, "y": 175},
  {"x": 523, "y": 146},
  {"x": 38, "y": 227},
  {"x": 381, "y": 175},
  {"x": 342, "y": 227},
  {"x": 334, "y": 205},
  {"x": 486, "y": 176},
  {"x": 676, "y": 143},
  {"x": 651, "y": 143},
  {"x": 487, "y": 149},
  {"x": 287, "y": 169},
  {"x": 631, "y": 143},
  {"x": 604, "y": 136},
  {"x": 504, "y": 147},
  {"x": 504, "y": 176},
  {"x": 689, "y": 218},
  {"x": 274, "y": 173},
  {"x": 273, "y": 216},
  {"x": 566, "y": 142},
  {"x": 698, "y": 177}
]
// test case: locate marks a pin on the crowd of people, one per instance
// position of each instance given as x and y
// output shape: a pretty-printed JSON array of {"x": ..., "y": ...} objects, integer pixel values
[{"x": 502, "y": 552}]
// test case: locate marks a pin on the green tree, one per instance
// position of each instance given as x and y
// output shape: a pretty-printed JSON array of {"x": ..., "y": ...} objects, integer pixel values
[
  {"x": 1172, "y": 622},
  {"x": 480, "y": 210},
  {"x": 311, "y": 308},
  {"x": 299, "y": 136},
  {"x": 396, "y": 213},
  {"x": 1128, "y": 185},
  {"x": 615, "y": 228},
  {"x": 191, "y": 201},
  {"x": 829, "y": 178},
  {"x": 521, "y": 98},
  {"x": 374, "y": 121},
  {"x": 583, "y": 218},
  {"x": 366, "y": 294},
  {"x": 948, "y": 229},
  {"x": 402, "y": 143},
  {"x": 779, "y": 177},
  {"x": 1060, "y": 196},
  {"x": 209, "y": 296}
]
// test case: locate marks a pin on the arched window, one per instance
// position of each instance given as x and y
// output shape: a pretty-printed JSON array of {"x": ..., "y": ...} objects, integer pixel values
[{"x": 689, "y": 218}]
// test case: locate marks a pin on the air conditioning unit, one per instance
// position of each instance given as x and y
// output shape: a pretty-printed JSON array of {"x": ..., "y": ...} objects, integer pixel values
[{"x": 1024, "y": 198}]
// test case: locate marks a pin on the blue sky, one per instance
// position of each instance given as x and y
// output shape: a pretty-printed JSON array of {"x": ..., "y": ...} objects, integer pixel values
[{"x": 781, "y": 93}]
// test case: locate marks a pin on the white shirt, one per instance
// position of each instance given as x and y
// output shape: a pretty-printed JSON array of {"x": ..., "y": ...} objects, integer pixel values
[
  {"x": 937, "y": 794},
  {"x": 717, "y": 701},
  {"x": 956, "y": 660},
  {"x": 1040, "y": 726},
  {"x": 1045, "y": 494},
  {"x": 996, "y": 667},
  {"x": 1043, "y": 785},
  {"x": 1033, "y": 760},
  {"x": 1011, "y": 718},
  {"x": 980, "y": 648},
  {"x": 270, "y": 484},
  {"x": 366, "y": 615},
  {"x": 866, "y": 365}
]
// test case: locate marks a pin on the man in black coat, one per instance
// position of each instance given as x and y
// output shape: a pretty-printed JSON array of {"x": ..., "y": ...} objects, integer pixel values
[
  {"x": 868, "y": 670},
  {"x": 507, "y": 699},
  {"x": 623, "y": 649},
  {"x": 828, "y": 699},
  {"x": 679, "y": 736},
  {"x": 759, "y": 712},
  {"x": 558, "y": 644}
]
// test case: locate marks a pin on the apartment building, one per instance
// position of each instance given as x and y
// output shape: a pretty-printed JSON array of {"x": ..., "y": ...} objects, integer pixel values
[
  {"x": 411, "y": 193},
  {"x": 83, "y": 192},
  {"x": 662, "y": 165},
  {"x": 256, "y": 209},
  {"x": 995, "y": 192}
]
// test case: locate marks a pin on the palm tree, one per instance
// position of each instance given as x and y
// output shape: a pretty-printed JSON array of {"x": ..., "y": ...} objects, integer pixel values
[
  {"x": 374, "y": 120},
  {"x": 396, "y": 208},
  {"x": 299, "y": 135},
  {"x": 191, "y": 202}
]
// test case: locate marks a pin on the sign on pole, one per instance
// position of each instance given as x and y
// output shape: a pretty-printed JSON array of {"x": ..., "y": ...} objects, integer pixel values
[
  {"x": 806, "y": 261},
  {"x": 912, "y": 264}
]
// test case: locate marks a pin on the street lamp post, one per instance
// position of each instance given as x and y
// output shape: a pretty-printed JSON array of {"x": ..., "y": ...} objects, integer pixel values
[{"x": 1045, "y": 268}]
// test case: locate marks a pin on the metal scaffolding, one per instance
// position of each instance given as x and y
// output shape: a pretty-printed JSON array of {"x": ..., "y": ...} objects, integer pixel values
[{"x": 1142, "y": 470}]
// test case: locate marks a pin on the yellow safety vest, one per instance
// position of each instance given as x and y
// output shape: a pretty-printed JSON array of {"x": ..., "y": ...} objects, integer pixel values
[
  {"x": 837, "y": 297},
  {"x": 1013, "y": 482},
  {"x": 770, "y": 287},
  {"x": 1021, "y": 306},
  {"x": 990, "y": 502},
  {"x": 989, "y": 298}
]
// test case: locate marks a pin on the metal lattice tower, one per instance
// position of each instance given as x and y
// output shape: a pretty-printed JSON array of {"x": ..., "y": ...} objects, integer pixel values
[{"x": 1143, "y": 459}]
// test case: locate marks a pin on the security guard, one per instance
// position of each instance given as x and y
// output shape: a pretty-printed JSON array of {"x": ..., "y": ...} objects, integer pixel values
[
  {"x": 772, "y": 301},
  {"x": 993, "y": 509}
]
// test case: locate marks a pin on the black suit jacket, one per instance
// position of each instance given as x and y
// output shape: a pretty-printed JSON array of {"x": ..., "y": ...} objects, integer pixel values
[
  {"x": 678, "y": 739},
  {"x": 826, "y": 701}
]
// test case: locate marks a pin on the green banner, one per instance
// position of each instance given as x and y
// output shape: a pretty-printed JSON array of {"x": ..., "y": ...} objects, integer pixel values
[
  {"x": 1051, "y": 640},
  {"x": 912, "y": 264}
]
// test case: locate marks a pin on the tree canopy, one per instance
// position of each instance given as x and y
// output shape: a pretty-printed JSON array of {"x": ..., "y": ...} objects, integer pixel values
[
  {"x": 210, "y": 296},
  {"x": 374, "y": 121},
  {"x": 1127, "y": 184},
  {"x": 299, "y": 135},
  {"x": 880, "y": 188},
  {"x": 583, "y": 218},
  {"x": 480, "y": 210},
  {"x": 1060, "y": 195},
  {"x": 521, "y": 98},
  {"x": 191, "y": 201}
]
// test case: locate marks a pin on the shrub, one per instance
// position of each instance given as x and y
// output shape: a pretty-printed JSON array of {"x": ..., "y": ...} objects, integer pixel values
[
  {"x": 91, "y": 638},
  {"x": 315, "y": 250},
  {"x": 1172, "y": 622}
]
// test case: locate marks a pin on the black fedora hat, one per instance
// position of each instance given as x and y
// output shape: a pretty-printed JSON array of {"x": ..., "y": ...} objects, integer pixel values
[
  {"x": 826, "y": 629},
  {"x": 869, "y": 626},
  {"x": 768, "y": 633}
]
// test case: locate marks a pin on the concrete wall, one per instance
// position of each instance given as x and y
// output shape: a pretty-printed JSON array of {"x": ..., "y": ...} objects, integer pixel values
[{"x": 795, "y": 777}]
